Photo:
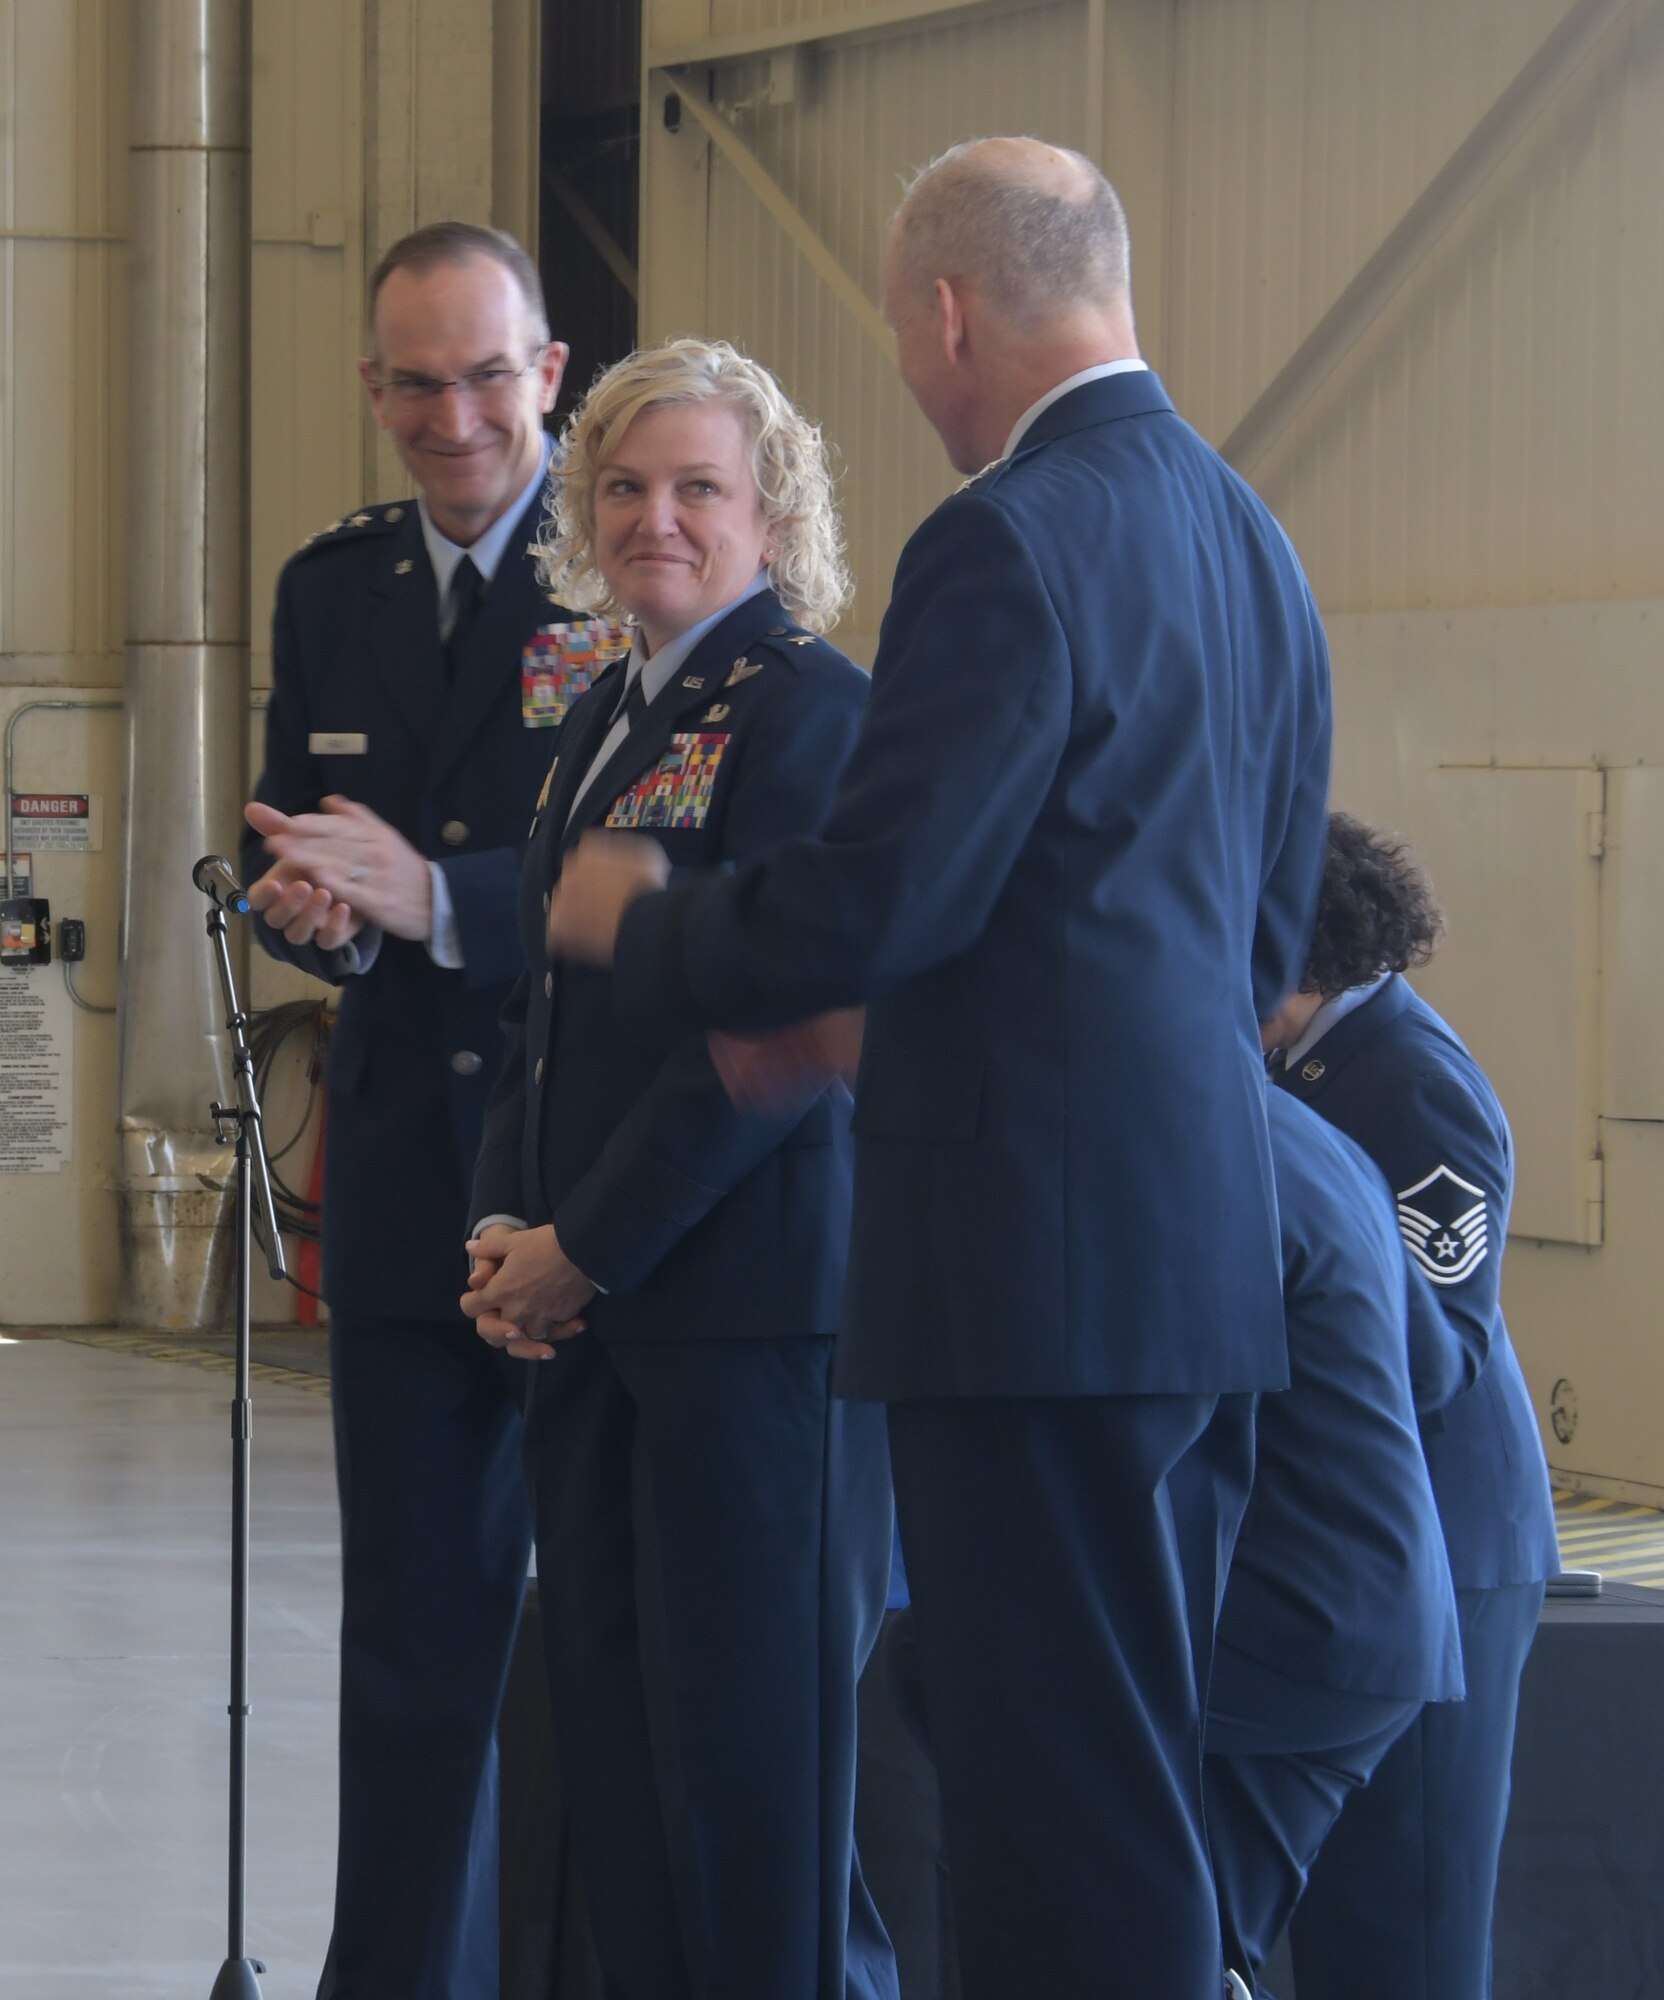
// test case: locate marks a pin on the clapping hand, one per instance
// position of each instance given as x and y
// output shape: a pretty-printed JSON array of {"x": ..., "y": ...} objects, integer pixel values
[{"x": 336, "y": 870}]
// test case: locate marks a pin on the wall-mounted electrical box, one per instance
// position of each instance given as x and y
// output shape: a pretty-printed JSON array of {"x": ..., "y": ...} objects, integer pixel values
[{"x": 25, "y": 932}]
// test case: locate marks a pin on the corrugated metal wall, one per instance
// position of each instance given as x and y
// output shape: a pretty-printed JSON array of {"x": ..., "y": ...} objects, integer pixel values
[{"x": 1482, "y": 445}]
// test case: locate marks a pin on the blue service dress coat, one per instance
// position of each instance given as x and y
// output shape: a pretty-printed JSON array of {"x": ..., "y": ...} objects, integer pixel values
[
  {"x": 1075, "y": 853},
  {"x": 1339, "y": 1619},
  {"x": 435, "y": 1526},
  {"x": 1076, "y": 849},
  {"x": 713, "y": 1529},
  {"x": 360, "y": 705},
  {"x": 1406, "y": 1883}
]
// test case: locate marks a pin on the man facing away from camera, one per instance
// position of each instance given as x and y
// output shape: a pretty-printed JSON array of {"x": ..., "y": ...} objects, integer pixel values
[{"x": 1072, "y": 860}]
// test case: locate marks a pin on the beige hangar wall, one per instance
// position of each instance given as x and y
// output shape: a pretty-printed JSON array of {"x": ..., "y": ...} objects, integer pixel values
[
  {"x": 369, "y": 116},
  {"x": 1445, "y": 215}
]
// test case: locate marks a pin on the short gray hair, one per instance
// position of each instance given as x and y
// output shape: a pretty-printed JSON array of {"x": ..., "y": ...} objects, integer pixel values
[
  {"x": 458, "y": 243},
  {"x": 1028, "y": 247},
  {"x": 788, "y": 460}
]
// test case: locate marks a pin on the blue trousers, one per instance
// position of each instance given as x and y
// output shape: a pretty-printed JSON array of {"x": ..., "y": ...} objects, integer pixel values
[
  {"x": 1282, "y": 1758},
  {"x": 435, "y": 1539},
  {"x": 1399, "y": 1903},
  {"x": 1066, "y": 1558},
  {"x": 713, "y": 1541}
]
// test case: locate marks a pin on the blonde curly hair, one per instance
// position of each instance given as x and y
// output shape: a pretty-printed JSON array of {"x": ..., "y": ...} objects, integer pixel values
[{"x": 788, "y": 459}]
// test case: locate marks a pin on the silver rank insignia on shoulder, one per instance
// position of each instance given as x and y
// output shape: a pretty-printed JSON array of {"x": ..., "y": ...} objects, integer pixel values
[
  {"x": 802, "y": 639},
  {"x": 718, "y": 711},
  {"x": 694, "y": 681},
  {"x": 359, "y": 521},
  {"x": 1443, "y": 1222},
  {"x": 404, "y": 567},
  {"x": 742, "y": 670},
  {"x": 965, "y": 485}
]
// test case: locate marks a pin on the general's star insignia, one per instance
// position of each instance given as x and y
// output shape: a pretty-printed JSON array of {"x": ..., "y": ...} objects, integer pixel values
[{"x": 359, "y": 521}]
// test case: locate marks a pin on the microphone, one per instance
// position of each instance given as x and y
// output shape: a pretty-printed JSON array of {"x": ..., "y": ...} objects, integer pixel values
[{"x": 213, "y": 876}]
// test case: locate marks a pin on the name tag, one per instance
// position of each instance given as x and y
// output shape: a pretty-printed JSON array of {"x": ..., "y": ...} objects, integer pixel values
[{"x": 346, "y": 743}]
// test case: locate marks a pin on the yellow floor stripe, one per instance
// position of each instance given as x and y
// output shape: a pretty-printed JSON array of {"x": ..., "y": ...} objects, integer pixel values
[
  {"x": 1622, "y": 1540},
  {"x": 209, "y": 1360}
]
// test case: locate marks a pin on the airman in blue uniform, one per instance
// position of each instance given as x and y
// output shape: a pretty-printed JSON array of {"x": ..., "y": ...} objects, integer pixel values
[
  {"x": 713, "y": 1526},
  {"x": 400, "y": 674},
  {"x": 1339, "y": 1620},
  {"x": 1398, "y": 1906}
]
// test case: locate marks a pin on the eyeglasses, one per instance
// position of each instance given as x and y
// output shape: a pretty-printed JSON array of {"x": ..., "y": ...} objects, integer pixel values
[{"x": 483, "y": 385}]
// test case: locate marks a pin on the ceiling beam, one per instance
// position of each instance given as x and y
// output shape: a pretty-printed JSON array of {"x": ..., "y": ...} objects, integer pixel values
[
  {"x": 791, "y": 219},
  {"x": 1422, "y": 226}
]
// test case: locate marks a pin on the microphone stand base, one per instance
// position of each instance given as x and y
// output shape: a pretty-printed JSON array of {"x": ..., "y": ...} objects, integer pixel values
[{"x": 237, "y": 1980}]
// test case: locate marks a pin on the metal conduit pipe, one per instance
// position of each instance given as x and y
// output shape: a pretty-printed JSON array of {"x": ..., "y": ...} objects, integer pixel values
[
  {"x": 187, "y": 633},
  {"x": 7, "y": 786}
]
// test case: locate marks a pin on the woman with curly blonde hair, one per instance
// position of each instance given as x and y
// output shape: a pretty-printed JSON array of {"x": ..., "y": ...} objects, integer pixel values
[
  {"x": 713, "y": 1529},
  {"x": 788, "y": 464}
]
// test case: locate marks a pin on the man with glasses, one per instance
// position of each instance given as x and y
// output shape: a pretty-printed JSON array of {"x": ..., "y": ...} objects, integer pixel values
[{"x": 416, "y": 664}]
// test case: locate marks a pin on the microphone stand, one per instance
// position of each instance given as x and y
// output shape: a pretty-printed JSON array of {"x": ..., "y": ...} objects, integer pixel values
[{"x": 240, "y": 1123}]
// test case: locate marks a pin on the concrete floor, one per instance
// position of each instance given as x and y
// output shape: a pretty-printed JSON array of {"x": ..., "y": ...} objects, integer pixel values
[{"x": 114, "y": 1614}]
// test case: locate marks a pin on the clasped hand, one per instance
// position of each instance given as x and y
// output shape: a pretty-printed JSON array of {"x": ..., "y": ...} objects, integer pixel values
[
  {"x": 336, "y": 870},
  {"x": 524, "y": 1292}
]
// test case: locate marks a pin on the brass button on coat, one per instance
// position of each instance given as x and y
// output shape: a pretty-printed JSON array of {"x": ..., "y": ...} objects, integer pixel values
[
  {"x": 466, "y": 1063},
  {"x": 453, "y": 833}
]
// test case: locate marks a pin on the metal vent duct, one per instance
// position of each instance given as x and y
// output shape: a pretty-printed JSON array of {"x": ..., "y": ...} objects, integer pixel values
[{"x": 187, "y": 631}]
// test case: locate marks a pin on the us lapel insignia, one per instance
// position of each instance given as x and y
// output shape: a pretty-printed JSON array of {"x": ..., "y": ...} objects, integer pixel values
[
  {"x": 742, "y": 670},
  {"x": 718, "y": 711},
  {"x": 1314, "y": 1071},
  {"x": 561, "y": 662},
  {"x": 404, "y": 567},
  {"x": 694, "y": 681},
  {"x": 676, "y": 793}
]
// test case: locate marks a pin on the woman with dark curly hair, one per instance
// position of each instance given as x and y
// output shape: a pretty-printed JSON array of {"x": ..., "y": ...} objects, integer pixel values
[{"x": 1399, "y": 1902}]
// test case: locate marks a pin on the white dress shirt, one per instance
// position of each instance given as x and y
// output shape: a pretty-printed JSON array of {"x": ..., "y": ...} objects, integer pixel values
[{"x": 1097, "y": 373}]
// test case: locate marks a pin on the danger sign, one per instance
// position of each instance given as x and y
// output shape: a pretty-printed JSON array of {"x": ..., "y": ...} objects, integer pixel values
[{"x": 60, "y": 821}]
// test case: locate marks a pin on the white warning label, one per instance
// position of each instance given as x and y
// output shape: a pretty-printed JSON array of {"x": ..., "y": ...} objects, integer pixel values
[
  {"x": 61, "y": 822},
  {"x": 37, "y": 1073}
]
